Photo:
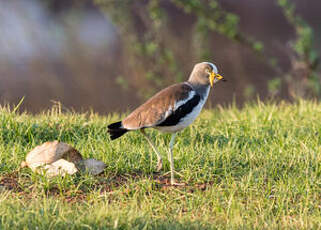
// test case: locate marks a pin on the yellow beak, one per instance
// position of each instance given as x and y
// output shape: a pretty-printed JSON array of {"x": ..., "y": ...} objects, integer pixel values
[{"x": 213, "y": 76}]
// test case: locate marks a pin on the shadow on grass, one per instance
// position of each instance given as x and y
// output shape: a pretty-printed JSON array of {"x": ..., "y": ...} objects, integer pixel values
[
  {"x": 26, "y": 185},
  {"x": 107, "y": 183}
]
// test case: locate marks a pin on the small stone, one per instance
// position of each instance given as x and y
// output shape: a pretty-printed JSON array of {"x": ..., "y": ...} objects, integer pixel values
[{"x": 92, "y": 166}]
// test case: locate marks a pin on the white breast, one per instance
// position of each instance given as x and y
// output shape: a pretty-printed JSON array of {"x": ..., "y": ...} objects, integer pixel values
[{"x": 189, "y": 118}]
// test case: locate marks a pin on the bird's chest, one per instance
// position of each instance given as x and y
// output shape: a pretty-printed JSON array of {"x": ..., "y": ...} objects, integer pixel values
[
  {"x": 185, "y": 112},
  {"x": 184, "y": 121},
  {"x": 190, "y": 117}
]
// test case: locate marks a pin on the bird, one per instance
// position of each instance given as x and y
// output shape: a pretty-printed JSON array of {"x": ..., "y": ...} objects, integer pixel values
[{"x": 170, "y": 110}]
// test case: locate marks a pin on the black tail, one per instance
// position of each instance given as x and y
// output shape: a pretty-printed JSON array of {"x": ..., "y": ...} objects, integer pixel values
[{"x": 115, "y": 130}]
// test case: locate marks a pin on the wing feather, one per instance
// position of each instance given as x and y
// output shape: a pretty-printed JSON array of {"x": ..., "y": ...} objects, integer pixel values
[{"x": 159, "y": 107}]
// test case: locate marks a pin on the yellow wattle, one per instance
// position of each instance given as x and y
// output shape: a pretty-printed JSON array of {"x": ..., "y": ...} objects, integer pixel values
[{"x": 212, "y": 76}]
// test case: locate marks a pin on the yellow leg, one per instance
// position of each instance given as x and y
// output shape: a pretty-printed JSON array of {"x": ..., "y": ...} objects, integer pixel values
[
  {"x": 159, "y": 157},
  {"x": 171, "y": 159}
]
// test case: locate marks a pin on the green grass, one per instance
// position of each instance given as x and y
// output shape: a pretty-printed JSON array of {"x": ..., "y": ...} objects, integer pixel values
[{"x": 254, "y": 168}]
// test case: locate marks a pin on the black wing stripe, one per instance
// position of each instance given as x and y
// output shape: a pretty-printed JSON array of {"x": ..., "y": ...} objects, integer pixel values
[{"x": 181, "y": 111}]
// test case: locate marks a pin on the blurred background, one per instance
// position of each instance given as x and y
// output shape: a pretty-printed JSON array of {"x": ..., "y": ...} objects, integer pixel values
[{"x": 110, "y": 55}]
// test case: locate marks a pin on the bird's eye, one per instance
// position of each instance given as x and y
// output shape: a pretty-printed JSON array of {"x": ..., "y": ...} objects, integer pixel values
[{"x": 207, "y": 70}]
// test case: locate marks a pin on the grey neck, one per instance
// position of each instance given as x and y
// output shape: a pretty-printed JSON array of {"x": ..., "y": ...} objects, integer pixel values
[{"x": 201, "y": 89}]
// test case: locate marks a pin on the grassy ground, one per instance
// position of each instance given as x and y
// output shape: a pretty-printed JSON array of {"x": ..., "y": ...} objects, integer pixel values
[{"x": 259, "y": 167}]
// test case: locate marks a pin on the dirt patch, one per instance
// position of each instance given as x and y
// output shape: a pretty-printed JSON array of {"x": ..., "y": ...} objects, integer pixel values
[
  {"x": 22, "y": 186},
  {"x": 10, "y": 182}
]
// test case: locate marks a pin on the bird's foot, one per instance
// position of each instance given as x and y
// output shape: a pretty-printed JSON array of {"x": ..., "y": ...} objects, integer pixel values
[
  {"x": 181, "y": 175},
  {"x": 159, "y": 165},
  {"x": 173, "y": 181}
]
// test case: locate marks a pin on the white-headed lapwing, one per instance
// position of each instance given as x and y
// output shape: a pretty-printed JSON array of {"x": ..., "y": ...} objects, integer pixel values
[{"x": 171, "y": 110}]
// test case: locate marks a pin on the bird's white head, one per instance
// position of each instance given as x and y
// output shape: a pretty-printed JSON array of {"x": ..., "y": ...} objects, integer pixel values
[{"x": 205, "y": 73}]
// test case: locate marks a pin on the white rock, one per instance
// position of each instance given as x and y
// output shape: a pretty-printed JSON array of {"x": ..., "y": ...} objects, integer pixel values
[
  {"x": 58, "y": 158},
  {"x": 50, "y": 152},
  {"x": 59, "y": 167}
]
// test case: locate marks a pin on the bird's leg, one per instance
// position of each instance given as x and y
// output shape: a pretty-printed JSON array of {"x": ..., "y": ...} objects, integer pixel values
[
  {"x": 159, "y": 157},
  {"x": 170, "y": 157}
]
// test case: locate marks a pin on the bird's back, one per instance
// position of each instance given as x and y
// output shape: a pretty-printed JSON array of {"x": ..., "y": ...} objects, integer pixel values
[{"x": 158, "y": 108}]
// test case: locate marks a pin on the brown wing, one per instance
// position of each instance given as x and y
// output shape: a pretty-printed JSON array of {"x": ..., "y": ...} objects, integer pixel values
[{"x": 157, "y": 108}]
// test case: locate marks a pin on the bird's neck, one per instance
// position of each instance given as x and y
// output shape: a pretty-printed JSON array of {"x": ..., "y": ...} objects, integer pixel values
[{"x": 202, "y": 89}]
